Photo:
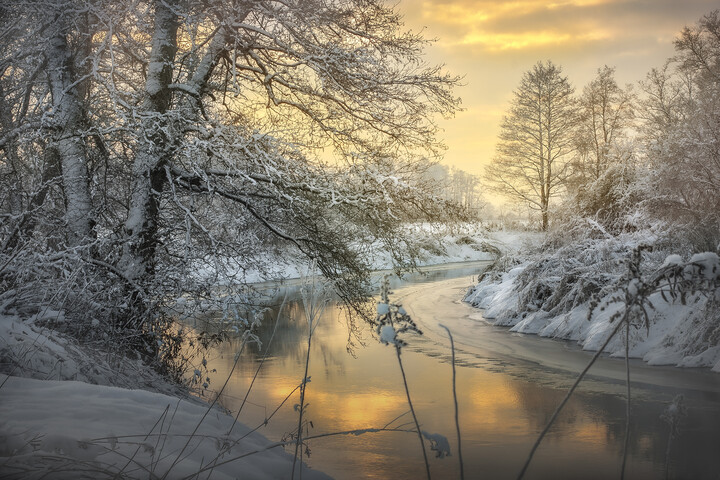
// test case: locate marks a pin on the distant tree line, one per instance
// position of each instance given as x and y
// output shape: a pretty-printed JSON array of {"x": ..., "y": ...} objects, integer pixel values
[{"x": 458, "y": 186}]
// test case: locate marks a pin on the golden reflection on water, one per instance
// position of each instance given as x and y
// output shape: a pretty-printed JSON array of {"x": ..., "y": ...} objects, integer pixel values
[
  {"x": 347, "y": 393},
  {"x": 500, "y": 414}
]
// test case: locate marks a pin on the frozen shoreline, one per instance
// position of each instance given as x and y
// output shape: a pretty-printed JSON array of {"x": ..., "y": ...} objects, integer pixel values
[
  {"x": 69, "y": 413},
  {"x": 674, "y": 336},
  {"x": 464, "y": 243}
]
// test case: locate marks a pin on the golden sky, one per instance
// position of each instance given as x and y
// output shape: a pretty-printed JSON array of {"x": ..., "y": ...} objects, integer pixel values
[{"x": 492, "y": 43}]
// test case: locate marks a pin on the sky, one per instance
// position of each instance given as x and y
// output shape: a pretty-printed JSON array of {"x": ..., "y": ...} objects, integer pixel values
[{"x": 492, "y": 43}]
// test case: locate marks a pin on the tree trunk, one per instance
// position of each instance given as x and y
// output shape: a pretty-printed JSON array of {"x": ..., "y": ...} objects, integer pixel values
[
  {"x": 27, "y": 221},
  {"x": 154, "y": 149},
  {"x": 69, "y": 123},
  {"x": 155, "y": 152}
]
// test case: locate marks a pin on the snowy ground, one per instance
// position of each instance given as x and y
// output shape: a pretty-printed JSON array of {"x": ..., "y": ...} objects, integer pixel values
[
  {"x": 458, "y": 243},
  {"x": 66, "y": 429},
  {"x": 52, "y": 426},
  {"x": 682, "y": 334}
]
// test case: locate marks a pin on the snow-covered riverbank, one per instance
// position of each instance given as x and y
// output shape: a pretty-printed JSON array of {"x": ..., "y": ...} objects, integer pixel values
[
  {"x": 550, "y": 294},
  {"x": 69, "y": 411},
  {"x": 440, "y": 245}
]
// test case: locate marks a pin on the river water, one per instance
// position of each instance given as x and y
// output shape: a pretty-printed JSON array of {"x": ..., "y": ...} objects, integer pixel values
[{"x": 508, "y": 387}]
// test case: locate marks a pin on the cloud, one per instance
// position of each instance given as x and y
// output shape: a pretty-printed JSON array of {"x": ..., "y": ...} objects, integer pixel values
[
  {"x": 499, "y": 26},
  {"x": 493, "y": 42},
  {"x": 511, "y": 25}
]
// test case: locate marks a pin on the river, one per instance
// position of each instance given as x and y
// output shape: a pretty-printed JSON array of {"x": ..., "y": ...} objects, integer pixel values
[{"x": 508, "y": 387}]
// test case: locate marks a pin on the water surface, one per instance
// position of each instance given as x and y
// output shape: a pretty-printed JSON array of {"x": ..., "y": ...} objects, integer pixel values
[{"x": 508, "y": 387}]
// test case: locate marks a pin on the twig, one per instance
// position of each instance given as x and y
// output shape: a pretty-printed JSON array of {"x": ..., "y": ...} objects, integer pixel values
[
  {"x": 272, "y": 414},
  {"x": 285, "y": 443},
  {"x": 457, "y": 420},
  {"x": 412, "y": 411},
  {"x": 627, "y": 406},
  {"x": 303, "y": 385},
  {"x": 130, "y": 459},
  {"x": 208, "y": 410},
  {"x": 262, "y": 361},
  {"x": 314, "y": 302}
]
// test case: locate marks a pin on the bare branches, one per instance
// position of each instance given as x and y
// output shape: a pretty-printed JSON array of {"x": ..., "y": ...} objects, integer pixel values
[
  {"x": 191, "y": 136},
  {"x": 531, "y": 163}
]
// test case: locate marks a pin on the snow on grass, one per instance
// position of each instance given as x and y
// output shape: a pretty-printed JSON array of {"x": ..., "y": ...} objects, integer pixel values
[
  {"x": 54, "y": 427},
  {"x": 66, "y": 429}
]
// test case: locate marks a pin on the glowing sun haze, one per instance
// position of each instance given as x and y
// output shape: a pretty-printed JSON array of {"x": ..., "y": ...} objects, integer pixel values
[{"x": 492, "y": 43}]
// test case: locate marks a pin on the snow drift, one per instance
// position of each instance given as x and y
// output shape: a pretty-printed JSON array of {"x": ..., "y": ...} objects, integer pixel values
[{"x": 578, "y": 291}]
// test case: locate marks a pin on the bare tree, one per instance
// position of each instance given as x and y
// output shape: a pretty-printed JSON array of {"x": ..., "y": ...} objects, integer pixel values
[
  {"x": 682, "y": 132},
  {"x": 606, "y": 112},
  {"x": 603, "y": 166},
  {"x": 536, "y": 140}
]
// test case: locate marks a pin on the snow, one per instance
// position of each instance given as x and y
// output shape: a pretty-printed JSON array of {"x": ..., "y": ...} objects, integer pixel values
[
  {"x": 387, "y": 334},
  {"x": 438, "y": 443},
  {"x": 461, "y": 243},
  {"x": 63, "y": 428},
  {"x": 69, "y": 413},
  {"x": 511, "y": 242},
  {"x": 680, "y": 333},
  {"x": 673, "y": 259},
  {"x": 708, "y": 262}
]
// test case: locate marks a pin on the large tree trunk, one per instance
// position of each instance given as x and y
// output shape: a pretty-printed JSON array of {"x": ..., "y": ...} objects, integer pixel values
[
  {"x": 68, "y": 141},
  {"x": 154, "y": 149},
  {"x": 155, "y": 152}
]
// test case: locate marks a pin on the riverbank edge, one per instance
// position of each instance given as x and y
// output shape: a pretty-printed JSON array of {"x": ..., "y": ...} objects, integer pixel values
[
  {"x": 69, "y": 411},
  {"x": 668, "y": 340}
]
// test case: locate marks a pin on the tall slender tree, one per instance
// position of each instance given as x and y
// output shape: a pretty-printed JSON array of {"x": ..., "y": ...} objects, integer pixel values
[
  {"x": 606, "y": 113},
  {"x": 536, "y": 140}
]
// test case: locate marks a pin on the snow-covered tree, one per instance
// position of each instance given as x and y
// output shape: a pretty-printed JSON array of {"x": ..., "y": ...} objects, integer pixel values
[
  {"x": 536, "y": 140},
  {"x": 684, "y": 105},
  {"x": 604, "y": 163},
  {"x": 192, "y": 133},
  {"x": 606, "y": 114}
]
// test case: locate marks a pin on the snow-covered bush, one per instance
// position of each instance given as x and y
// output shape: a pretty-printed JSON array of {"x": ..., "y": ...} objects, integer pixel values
[
  {"x": 610, "y": 200},
  {"x": 579, "y": 289},
  {"x": 79, "y": 297}
]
